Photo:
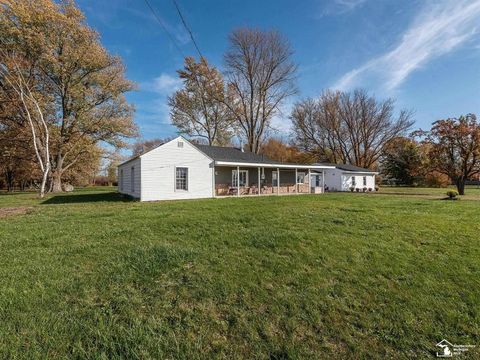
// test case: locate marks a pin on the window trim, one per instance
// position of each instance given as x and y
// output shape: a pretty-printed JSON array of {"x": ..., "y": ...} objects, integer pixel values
[
  {"x": 187, "y": 179},
  {"x": 246, "y": 178}
]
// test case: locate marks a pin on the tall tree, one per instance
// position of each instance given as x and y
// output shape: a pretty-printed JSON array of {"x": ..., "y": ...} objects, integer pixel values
[
  {"x": 278, "y": 150},
  {"x": 198, "y": 109},
  {"x": 22, "y": 88},
  {"x": 403, "y": 160},
  {"x": 260, "y": 75},
  {"x": 344, "y": 127},
  {"x": 17, "y": 160},
  {"x": 111, "y": 168},
  {"x": 454, "y": 148},
  {"x": 86, "y": 83},
  {"x": 142, "y": 146}
]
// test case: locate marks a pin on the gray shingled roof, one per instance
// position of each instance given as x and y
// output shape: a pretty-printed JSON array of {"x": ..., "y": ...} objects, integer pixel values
[
  {"x": 347, "y": 167},
  {"x": 219, "y": 153}
]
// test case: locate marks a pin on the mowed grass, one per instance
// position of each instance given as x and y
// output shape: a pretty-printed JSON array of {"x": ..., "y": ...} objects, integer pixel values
[
  {"x": 471, "y": 192},
  {"x": 334, "y": 276}
]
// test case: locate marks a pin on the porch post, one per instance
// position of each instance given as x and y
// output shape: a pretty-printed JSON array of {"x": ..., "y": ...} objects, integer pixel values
[
  {"x": 278, "y": 181},
  {"x": 238, "y": 180},
  {"x": 309, "y": 182},
  {"x": 323, "y": 181},
  {"x": 213, "y": 180},
  {"x": 296, "y": 182},
  {"x": 258, "y": 176}
]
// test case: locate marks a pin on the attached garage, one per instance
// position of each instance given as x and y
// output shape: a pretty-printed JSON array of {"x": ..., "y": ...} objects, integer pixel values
[{"x": 348, "y": 177}]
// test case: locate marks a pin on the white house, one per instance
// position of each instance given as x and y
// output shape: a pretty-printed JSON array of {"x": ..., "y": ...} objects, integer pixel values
[
  {"x": 180, "y": 169},
  {"x": 345, "y": 177}
]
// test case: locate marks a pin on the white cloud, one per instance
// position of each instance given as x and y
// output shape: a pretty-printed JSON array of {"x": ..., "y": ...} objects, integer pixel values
[
  {"x": 340, "y": 7},
  {"x": 438, "y": 29},
  {"x": 164, "y": 84},
  {"x": 349, "y": 5}
]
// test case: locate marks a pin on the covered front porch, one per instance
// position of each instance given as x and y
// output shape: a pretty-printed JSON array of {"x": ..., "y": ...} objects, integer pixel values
[{"x": 271, "y": 179}]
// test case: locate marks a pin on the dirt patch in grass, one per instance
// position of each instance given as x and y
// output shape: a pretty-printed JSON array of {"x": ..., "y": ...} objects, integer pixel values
[{"x": 6, "y": 212}]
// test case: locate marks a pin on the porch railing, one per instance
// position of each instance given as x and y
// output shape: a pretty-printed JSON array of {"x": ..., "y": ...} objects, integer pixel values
[{"x": 265, "y": 189}]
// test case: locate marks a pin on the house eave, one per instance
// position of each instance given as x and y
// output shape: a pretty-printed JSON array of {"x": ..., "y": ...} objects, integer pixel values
[
  {"x": 272, "y": 165},
  {"x": 360, "y": 172}
]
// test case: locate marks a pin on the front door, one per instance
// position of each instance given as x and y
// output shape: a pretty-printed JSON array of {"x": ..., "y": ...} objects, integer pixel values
[{"x": 316, "y": 183}]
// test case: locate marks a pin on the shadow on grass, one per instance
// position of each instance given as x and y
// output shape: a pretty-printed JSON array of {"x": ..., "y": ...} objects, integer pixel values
[
  {"x": 87, "y": 198},
  {"x": 407, "y": 194}
]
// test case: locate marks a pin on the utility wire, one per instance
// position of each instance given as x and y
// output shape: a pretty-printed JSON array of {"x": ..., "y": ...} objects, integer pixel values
[
  {"x": 162, "y": 24},
  {"x": 187, "y": 28}
]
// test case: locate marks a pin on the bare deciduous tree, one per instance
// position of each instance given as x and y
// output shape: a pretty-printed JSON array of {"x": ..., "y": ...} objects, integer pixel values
[
  {"x": 198, "y": 109},
  {"x": 142, "y": 146},
  {"x": 343, "y": 127},
  {"x": 260, "y": 76}
]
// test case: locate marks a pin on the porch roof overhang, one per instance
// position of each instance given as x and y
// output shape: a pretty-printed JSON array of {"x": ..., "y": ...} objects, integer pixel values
[
  {"x": 273, "y": 165},
  {"x": 360, "y": 172}
]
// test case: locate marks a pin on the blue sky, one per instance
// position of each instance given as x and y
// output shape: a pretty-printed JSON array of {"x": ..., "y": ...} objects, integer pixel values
[{"x": 426, "y": 54}]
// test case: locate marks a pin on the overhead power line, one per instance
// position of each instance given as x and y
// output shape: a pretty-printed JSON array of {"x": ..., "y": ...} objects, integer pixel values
[
  {"x": 184, "y": 22},
  {"x": 162, "y": 24}
]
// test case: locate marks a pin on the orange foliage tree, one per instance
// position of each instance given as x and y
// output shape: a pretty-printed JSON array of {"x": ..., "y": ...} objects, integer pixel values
[
  {"x": 277, "y": 150},
  {"x": 454, "y": 148}
]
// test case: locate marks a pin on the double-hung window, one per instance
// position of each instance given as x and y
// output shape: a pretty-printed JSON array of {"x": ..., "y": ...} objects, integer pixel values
[
  {"x": 364, "y": 181},
  {"x": 354, "y": 181},
  {"x": 243, "y": 178},
  {"x": 181, "y": 178}
]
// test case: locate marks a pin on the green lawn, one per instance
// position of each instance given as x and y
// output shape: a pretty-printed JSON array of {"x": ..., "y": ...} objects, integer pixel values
[
  {"x": 89, "y": 275},
  {"x": 471, "y": 192}
]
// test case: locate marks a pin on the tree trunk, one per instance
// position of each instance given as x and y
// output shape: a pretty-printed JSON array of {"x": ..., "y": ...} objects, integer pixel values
[
  {"x": 57, "y": 182},
  {"x": 57, "y": 174},
  {"x": 9, "y": 177},
  {"x": 44, "y": 181},
  {"x": 460, "y": 183}
]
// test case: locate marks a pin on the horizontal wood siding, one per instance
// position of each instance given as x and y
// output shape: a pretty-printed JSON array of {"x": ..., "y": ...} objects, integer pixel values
[
  {"x": 333, "y": 179},
  {"x": 158, "y": 172},
  {"x": 337, "y": 180},
  {"x": 125, "y": 186}
]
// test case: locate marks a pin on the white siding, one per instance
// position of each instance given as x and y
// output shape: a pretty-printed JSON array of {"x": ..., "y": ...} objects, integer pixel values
[
  {"x": 158, "y": 172},
  {"x": 125, "y": 182},
  {"x": 333, "y": 179},
  {"x": 337, "y": 180},
  {"x": 347, "y": 181}
]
